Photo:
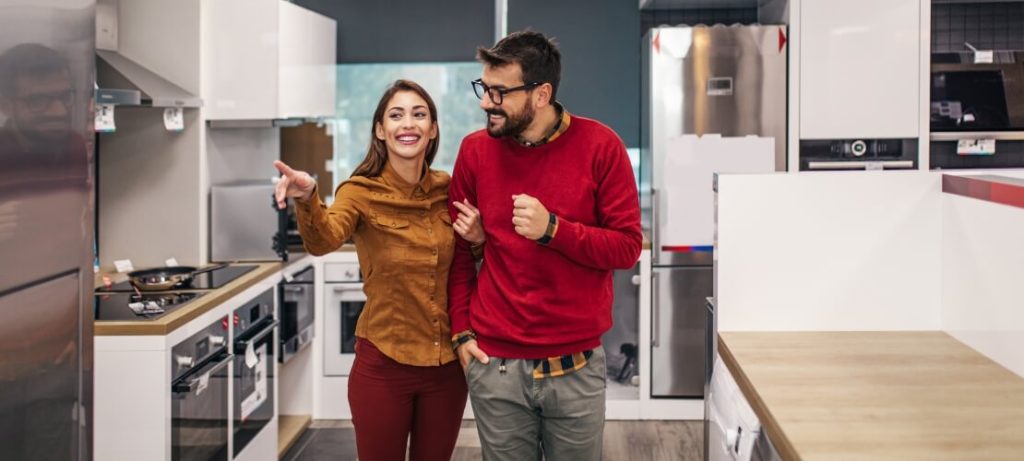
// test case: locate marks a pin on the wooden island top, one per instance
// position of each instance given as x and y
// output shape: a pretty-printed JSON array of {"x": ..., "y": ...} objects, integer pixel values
[{"x": 877, "y": 395}]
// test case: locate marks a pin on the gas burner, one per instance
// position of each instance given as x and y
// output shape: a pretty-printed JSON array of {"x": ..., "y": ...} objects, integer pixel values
[
  {"x": 144, "y": 306},
  {"x": 148, "y": 304}
]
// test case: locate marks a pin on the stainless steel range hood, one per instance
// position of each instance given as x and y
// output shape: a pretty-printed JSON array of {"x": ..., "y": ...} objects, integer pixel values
[{"x": 122, "y": 81}]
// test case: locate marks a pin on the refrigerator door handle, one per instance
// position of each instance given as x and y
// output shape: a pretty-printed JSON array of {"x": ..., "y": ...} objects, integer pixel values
[
  {"x": 655, "y": 250},
  {"x": 656, "y": 324}
]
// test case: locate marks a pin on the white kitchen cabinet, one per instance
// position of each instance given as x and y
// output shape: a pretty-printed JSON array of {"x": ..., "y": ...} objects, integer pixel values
[
  {"x": 859, "y": 69},
  {"x": 267, "y": 59}
]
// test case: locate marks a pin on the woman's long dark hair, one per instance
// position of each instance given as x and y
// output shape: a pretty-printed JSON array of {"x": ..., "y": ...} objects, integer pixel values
[{"x": 377, "y": 154}]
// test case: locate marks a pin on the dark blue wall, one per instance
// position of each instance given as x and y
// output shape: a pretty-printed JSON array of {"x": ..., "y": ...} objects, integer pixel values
[
  {"x": 406, "y": 30},
  {"x": 600, "y": 44}
]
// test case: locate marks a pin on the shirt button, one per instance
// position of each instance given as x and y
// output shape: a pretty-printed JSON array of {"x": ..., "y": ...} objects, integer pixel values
[
  {"x": 430, "y": 231},
  {"x": 436, "y": 343},
  {"x": 433, "y": 252}
]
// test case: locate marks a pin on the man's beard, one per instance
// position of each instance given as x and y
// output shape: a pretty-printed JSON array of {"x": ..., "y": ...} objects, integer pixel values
[{"x": 513, "y": 126}]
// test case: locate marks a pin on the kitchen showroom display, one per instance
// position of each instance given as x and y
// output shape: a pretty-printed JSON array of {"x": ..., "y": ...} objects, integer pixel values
[
  {"x": 296, "y": 310},
  {"x": 343, "y": 302},
  {"x": 970, "y": 95},
  {"x": 199, "y": 395},
  {"x": 714, "y": 101},
  {"x": 46, "y": 231},
  {"x": 254, "y": 368},
  {"x": 122, "y": 301}
]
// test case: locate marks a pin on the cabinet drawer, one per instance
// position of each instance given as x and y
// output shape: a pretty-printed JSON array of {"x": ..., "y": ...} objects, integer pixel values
[{"x": 341, "y": 272}]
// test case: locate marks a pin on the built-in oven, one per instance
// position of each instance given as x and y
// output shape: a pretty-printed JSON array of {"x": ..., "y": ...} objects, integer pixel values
[
  {"x": 199, "y": 395},
  {"x": 969, "y": 94},
  {"x": 296, "y": 312},
  {"x": 344, "y": 300},
  {"x": 254, "y": 368}
]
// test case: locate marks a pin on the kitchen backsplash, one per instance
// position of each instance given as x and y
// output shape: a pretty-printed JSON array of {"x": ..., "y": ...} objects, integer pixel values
[{"x": 986, "y": 26}]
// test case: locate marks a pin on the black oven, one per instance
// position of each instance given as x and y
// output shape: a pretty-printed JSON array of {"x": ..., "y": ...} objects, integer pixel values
[
  {"x": 296, "y": 312},
  {"x": 969, "y": 96},
  {"x": 199, "y": 395},
  {"x": 254, "y": 368}
]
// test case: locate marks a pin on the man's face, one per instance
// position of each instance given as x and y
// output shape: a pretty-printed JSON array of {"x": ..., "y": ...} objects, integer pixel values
[
  {"x": 516, "y": 111},
  {"x": 40, "y": 108}
]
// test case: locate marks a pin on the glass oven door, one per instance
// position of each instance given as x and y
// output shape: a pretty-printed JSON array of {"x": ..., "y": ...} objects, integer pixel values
[
  {"x": 199, "y": 412},
  {"x": 254, "y": 382},
  {"x": 343, "y": 304},
  {"x": 297, "y": 311}
]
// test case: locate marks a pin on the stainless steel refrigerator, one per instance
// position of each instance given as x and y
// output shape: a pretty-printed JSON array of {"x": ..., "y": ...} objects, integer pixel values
[
  {"x": 46, "y": 229},
  {"x": 719, "y": 80}
]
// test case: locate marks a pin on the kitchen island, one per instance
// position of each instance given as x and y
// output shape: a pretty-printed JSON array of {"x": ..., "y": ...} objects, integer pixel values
[{"x": 877, "y": 395}]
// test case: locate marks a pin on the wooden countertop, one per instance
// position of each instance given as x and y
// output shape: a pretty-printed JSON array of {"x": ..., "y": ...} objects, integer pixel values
[
  {"x": 199, "y": 306},
  {"x": 877, "y": 395}
]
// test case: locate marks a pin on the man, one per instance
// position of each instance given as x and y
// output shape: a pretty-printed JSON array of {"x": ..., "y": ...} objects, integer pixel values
[{"x": 560, "y": 210}]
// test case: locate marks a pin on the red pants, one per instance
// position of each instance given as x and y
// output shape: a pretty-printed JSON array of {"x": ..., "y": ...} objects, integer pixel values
[{"x": 390, "y": 401}]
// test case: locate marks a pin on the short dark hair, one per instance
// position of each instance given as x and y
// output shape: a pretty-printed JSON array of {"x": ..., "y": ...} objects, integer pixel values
[
  {"x": 537, "y": 55},
  {"x": 28, "y": 60}
]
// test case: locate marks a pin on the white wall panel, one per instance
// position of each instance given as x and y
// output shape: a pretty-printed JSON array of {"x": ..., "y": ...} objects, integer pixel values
[
  {"x": 829, "y": 251},
  {"x": 859, "y": 69},
  {"x": 982, "y": 269}
]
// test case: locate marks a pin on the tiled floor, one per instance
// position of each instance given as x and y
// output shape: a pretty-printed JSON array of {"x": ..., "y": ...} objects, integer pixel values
[{"x": 623, "y": 440}]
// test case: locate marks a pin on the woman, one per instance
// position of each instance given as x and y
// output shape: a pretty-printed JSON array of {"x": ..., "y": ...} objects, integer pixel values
[{"x": 406, "y": 383}]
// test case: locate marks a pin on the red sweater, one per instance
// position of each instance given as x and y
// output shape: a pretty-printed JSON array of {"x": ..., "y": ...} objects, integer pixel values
[{"x": 534, "y": 301}]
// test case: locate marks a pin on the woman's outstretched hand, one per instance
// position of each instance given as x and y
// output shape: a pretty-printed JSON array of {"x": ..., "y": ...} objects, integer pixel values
[{"x": 295, "y": 184}]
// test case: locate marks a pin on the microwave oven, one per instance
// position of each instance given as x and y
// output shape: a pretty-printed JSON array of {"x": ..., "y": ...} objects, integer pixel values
[
  {"x": 969, "y": 96},
  {"x": 245, "y": 224}
]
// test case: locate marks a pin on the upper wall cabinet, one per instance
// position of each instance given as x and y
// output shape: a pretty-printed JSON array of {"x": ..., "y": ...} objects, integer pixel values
[
  {"x": 267, "y": 59},
  {"x": 859, "y": 69}
]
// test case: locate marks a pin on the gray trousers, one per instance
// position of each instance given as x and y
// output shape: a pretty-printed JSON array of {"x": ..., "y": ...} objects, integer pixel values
[{"x": 520, "y": 418}]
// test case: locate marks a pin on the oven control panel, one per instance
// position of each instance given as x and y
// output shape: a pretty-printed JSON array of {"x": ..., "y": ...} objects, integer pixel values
[
  {"x": 197, "y": 348},
  {"x": 858, "y": 154}
]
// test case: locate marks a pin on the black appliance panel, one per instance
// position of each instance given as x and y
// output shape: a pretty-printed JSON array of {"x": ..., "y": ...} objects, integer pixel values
[
  {"x": 204, "y": 281},
  {"x": 144, "y": 306}
]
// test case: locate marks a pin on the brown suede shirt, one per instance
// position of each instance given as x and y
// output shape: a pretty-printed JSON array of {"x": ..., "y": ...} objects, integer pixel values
[{"x": 405, "y": 242}]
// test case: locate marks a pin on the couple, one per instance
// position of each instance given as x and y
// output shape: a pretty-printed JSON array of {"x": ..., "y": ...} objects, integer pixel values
[{"x": 558, "y": 211}]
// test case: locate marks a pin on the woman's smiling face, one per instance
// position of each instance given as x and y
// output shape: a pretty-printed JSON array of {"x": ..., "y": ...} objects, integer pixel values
[{"x": 407, "y": 127}]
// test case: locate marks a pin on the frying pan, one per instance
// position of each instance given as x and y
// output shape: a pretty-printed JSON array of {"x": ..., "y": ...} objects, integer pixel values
[{"x": 166, "y": 278}]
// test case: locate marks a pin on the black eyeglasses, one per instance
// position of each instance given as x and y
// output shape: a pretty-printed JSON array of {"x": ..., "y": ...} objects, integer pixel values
[{"x": 497, "y": 95}]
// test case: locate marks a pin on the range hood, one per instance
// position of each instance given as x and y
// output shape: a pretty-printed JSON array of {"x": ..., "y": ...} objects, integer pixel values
[{"x": 122, "y": 81}]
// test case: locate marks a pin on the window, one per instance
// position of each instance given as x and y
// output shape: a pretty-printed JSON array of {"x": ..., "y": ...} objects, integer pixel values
[{"x": 360, "y": 87}]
